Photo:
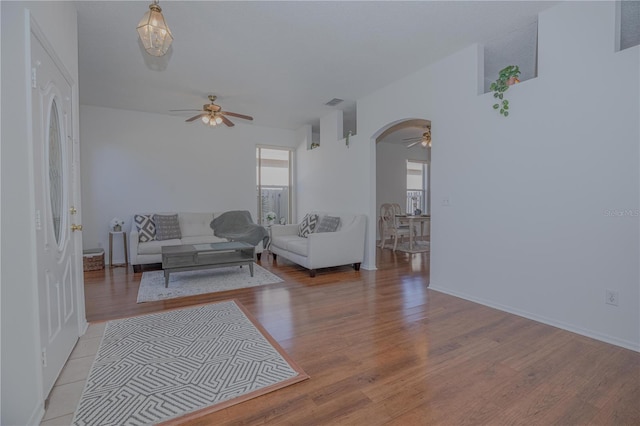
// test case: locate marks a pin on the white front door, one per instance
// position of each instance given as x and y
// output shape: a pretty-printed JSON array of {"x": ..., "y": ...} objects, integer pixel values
[{"x": 55, "y": 195}]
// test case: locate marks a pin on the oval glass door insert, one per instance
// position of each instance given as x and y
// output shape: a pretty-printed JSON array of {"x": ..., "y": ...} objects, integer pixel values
[{"x": 55, "y": 171}]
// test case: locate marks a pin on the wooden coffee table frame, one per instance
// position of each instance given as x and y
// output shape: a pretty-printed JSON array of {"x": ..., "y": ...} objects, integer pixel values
[{"x": 192, "y": 257}]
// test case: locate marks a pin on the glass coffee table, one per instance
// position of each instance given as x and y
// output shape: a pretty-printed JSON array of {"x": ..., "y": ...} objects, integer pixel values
[{"x": 191, "y": 257}]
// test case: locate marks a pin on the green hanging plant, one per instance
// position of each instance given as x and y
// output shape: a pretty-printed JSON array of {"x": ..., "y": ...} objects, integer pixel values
[{"x": 507, "y": 76}]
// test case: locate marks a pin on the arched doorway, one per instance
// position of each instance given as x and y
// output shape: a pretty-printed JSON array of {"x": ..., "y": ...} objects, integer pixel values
[{"x": 401, "y": 167}]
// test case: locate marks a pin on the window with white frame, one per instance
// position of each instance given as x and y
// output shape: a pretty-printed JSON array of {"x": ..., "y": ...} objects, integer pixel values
[
  {"x": 418, "y": 189},
  {"x": 274, "y": 190}
]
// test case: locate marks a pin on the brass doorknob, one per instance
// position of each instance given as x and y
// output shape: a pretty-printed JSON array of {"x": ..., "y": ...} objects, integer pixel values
[{"x": 75, "y": 227}]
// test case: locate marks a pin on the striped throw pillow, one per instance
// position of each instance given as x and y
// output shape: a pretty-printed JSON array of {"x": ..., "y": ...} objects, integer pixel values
[{"x": 328, "y": 224}]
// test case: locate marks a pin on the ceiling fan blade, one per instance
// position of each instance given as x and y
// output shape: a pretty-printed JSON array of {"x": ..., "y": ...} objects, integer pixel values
[
  {"x": 226, "y": 121},
  {"x": 235, "y": 114},
  {"x": 195, "y": 117},
  {"x": 413, "y": 143},
  {"x": 413, "y": 138}
]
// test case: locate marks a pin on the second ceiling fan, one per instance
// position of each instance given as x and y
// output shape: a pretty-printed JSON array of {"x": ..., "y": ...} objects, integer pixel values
[
  {"x": 424, "y": 140},
  {"x": 213, "y": 114}
]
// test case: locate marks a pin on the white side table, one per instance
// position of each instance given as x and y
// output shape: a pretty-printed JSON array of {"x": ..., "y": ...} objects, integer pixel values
[{"x": 124, "y": 243}]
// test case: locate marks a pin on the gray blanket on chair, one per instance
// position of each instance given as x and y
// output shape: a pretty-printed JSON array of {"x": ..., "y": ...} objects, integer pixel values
[{"x": 237, "y": 225}]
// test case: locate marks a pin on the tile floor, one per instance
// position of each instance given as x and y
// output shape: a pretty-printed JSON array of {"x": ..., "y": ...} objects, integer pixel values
[{"x": 66, "y": 392}]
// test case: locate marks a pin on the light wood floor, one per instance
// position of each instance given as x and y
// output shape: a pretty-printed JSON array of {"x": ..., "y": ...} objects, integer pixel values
[{"x": 381, "y": 348}]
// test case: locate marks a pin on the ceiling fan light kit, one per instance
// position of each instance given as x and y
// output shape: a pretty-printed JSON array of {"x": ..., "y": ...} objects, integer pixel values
[
  {"x": 211, "y": 120},
  {"x": 154, "y": 32}
]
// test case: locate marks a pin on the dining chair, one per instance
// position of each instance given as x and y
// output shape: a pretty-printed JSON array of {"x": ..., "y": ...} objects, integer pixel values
[
  {"x": 389, "y": 226},
  {"x": 398, "y": 211},
  {"x": 383, "y": 208}
]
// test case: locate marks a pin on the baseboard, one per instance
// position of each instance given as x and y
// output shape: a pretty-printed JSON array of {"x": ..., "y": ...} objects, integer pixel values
[
  {"x": 84, "y": 325},
  {"x": 37, "y": 415},
  {"x": 559, "y": 324},
  {"x": 368, "y": 267}
]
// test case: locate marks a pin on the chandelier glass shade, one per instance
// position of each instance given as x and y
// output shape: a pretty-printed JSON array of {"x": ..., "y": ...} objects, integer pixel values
[{"x": 154, "y": 32}]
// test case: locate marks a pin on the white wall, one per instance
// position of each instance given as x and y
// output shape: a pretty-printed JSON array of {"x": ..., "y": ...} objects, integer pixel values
[
  {"x": 532, "y": 225},
  {"x": 135, "y": 162},
  {"x": 22, "y": 401}
]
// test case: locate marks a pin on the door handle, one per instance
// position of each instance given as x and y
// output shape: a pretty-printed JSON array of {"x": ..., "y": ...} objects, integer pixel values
[
  {"x": 73, "y": 210},
  {"x": 75, "y": 227}
]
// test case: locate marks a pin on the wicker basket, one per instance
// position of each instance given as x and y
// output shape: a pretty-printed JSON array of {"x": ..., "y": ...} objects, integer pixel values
[{"x": 92, "y": 260}]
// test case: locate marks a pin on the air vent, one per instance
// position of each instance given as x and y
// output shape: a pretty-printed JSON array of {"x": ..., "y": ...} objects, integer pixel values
[{"x": 334, "y": 102}]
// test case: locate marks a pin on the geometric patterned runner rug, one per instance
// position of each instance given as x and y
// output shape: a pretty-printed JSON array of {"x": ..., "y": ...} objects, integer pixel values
[
  {"x": 202, "y": 281},
  {"x": 418, "y": 247},
  {"x": 158, "y": 367}
]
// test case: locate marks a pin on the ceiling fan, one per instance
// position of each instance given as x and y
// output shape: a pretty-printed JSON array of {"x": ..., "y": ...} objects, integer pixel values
[
  {"x": 424, "y": 140},
  {"x": 212, "y": 114}
]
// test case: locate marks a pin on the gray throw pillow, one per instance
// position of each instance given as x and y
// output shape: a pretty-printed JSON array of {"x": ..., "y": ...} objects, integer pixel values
[
  {"x": 146, "y": 227},
  {"x": 167, "y": 226},
  {"x": 308, "y": 225},
  {"x": 329, "y": 224}
]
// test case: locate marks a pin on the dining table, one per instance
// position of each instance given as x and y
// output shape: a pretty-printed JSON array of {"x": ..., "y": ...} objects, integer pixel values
[{"x": 411, "y": 220}]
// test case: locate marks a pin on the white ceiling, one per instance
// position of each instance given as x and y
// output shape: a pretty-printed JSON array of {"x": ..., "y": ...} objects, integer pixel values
[{"x": 275, "y": 60}]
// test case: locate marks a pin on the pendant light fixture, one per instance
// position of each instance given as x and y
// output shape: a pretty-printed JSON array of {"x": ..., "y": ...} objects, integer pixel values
[{"x": 154, "y": 32}]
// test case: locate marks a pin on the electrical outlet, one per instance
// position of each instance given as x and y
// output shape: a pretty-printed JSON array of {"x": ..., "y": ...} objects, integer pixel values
[
  {"x": 611, "y": 297},
  {"x": 445, "y": 202}
]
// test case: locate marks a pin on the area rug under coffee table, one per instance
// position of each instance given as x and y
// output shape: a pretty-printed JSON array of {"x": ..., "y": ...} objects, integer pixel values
[
  {"x": 158, "y": 367},
  {"x": 203, "y": 281}
]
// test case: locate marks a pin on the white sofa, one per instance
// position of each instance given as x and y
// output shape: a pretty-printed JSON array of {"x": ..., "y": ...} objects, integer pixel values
[
  {"x": 195, "y": 229},
  {"x": 322, "y": 250}
]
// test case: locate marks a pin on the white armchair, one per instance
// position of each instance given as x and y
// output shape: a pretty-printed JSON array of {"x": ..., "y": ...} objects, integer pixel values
[{"x": 325, "y": 249}]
